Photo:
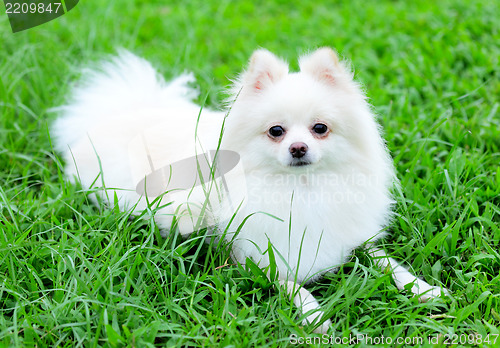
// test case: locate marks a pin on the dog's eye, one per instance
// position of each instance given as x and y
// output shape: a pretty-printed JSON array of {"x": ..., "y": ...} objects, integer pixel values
[
  {"x": 320, "y": 128},
  {"x": 276, "y": 131}
]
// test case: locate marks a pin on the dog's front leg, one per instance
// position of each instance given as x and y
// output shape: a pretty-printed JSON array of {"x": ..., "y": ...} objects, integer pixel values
[
  {"x": 307, "y": 304},
  {"x": 403, "y": 277}
]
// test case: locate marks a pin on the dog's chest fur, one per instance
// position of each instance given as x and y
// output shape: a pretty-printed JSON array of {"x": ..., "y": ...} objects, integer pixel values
[{"x": 312, "y": 227}]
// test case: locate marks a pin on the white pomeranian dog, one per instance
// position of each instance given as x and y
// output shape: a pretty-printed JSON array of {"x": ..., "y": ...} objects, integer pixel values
[{"x": 306, "y": 179}]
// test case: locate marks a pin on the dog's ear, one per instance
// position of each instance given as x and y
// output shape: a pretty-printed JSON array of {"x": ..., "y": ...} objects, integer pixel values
[
  {"x": 264, "y": 69},
  {"x": 323, "y": 64}
]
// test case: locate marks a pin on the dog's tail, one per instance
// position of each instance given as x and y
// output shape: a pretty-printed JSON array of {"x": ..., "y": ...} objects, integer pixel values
[{"x": 117, "y": 86}]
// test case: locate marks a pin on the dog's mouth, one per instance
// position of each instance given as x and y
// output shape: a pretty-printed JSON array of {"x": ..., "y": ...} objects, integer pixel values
[{"x": 299, "y": 163}]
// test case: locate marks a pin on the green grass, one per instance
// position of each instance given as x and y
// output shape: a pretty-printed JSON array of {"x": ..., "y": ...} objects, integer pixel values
[{"x": 73, "y": 275}]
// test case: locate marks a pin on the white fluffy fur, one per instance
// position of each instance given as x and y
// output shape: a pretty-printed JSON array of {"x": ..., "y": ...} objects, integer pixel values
[{"x": 312, "y": 215}]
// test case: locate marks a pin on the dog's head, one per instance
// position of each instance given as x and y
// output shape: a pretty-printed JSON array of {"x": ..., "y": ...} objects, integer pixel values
[{"x": 311, "y": 119}]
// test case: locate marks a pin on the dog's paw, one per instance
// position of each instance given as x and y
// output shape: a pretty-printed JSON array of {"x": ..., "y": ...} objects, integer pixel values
[
  {"x": 425, "y": 292},
  {"x": 323, "y": 328}
]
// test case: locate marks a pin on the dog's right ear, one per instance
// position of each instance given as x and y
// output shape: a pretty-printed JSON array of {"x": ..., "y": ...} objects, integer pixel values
[
  {"x": 324, "y": 65},
  {"x": 264, "y": 69}
]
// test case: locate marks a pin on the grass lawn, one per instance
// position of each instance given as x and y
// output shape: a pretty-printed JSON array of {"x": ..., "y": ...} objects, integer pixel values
[{"x": 72, "y": 274}]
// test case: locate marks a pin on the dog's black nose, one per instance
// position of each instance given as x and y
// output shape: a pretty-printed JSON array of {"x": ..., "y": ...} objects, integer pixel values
[{"x": 298, "y": 150}]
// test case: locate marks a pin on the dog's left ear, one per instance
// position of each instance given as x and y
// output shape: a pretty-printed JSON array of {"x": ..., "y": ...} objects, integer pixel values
[
  {"x": 264, "y": 69},
  {"x": 323, "y": 64}
]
